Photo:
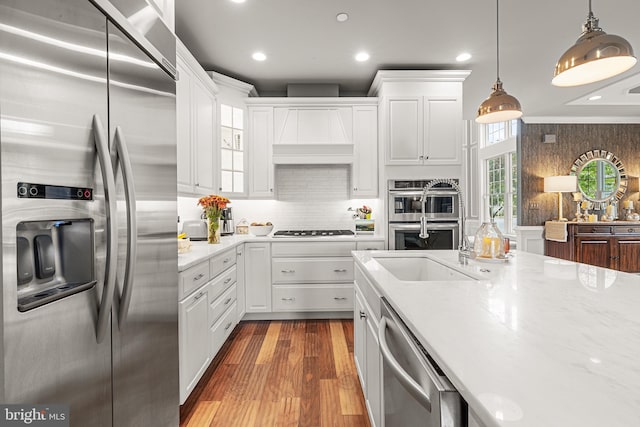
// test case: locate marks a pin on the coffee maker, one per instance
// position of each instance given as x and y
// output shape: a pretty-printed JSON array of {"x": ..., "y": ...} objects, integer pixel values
[{"x": 226, "y": 222}]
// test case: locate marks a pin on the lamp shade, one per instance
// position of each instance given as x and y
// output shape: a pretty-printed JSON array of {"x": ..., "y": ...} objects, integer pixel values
[{"x": 560, "y": 184}]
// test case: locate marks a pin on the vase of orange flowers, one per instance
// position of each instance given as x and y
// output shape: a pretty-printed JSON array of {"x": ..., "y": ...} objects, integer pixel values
[{"x": 212, "y": 206}]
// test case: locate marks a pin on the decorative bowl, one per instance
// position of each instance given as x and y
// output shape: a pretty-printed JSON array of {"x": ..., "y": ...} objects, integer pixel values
[{"x": 260, "y": 230}]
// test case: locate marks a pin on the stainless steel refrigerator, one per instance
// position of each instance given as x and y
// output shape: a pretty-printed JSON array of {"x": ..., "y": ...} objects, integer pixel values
[{"x": 89, "y": 255}]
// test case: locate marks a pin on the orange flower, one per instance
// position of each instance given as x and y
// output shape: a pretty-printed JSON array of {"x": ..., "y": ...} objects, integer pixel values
[{"x": 213, "y": 201}]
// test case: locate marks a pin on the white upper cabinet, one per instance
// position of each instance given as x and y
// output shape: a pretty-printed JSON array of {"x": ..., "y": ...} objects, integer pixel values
[
  {"x": 196, "y": 110},
  {"x": 405, "y": 130},
  {"x": 364, "y": 171},
  {"x": 313, "y": 125},
  {"x": 424, "y": 130},
  {"x": 421, "y": 114},
  {"x": 260, "y": 152}
]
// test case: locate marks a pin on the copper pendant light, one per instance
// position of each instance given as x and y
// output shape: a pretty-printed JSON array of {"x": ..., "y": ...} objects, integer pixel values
[
  {"x": 595, "y": 56},
  {"x": 499, "y": 106}
]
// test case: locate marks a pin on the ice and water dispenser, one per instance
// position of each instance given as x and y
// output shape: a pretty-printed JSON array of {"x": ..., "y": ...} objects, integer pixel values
[{"x": 55, "y": 258}]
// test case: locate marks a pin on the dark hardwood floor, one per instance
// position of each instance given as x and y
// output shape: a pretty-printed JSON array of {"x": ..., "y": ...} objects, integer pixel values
[{"x": 281, "y": 373}]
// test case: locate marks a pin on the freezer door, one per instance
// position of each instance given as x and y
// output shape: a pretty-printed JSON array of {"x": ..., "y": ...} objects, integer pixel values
[
  {"x": 53, "y": 80},
  {"x": 145, "y": 329}
]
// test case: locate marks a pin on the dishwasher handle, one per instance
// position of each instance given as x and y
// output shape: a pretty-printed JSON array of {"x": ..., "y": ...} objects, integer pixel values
[{"x": 405, "y": 379}]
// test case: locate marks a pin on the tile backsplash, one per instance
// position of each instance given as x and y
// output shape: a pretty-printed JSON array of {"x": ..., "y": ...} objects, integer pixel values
[{"x": 307, "y": 196}]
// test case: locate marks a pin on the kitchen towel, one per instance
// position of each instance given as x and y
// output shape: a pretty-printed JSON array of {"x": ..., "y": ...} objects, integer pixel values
[{"x": 556, "y": 231}]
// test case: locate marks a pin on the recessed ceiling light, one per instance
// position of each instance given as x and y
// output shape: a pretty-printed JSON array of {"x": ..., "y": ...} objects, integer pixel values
[
  {"x": 595, "y": 97},
  {"x": 362, "y": 56},
  {"x": 259, "y": 56},
  {"x": 238, "y": 1},
  {"x": 463, "y": 57},
  {"x": 341, "y": 17}
]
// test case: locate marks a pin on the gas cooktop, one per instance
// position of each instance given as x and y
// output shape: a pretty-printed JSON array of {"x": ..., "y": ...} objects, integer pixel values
[{"x": 312, "y": 233}]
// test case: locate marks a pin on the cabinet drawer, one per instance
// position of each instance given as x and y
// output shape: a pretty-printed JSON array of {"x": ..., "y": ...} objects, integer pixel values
[
  {"x": 221, "y": 304},
  {"x": 304, "y": 249},
  {"x": 370, "y": 246},
  {"x": 221, "y": 330},
  {"x": 626, "y": 229},
  {"x": 221, "y": 262},
  {"x": 301, "y": 297},
  {"x": 296, "y": 270},
  {"x": 593, "y": 229},
  {"x": 194, "y": 277},
  {"x": 222, "y": 282}
]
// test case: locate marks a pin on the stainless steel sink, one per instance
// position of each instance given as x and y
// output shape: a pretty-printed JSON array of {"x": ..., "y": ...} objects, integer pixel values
[{"x": 420, "y": 269}]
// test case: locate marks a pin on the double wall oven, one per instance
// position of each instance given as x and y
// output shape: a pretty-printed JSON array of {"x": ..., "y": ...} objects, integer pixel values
[{"x": 405, "y": 209}]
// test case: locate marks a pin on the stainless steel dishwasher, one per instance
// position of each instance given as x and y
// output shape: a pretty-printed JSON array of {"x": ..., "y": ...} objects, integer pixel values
[{"x": 416, "y": 391}]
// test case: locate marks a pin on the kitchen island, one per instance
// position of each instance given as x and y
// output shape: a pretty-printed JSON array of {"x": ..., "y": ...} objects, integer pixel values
[{"x": 536, "y": 341}]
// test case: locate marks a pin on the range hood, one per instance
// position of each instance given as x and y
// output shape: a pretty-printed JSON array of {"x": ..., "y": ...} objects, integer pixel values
[
  {"x": 313, "y": 135},
  {"x": 312, "y": 154}
]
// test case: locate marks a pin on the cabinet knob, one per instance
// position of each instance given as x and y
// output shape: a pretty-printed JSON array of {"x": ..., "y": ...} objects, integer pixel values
[
  {"x": 271, "y": 190},
  {"x": 593, "y": 230},
  {"x": 287, "y": 271},
  {"x": 340, "y": 298},
  {"x": 198, "y": 277},
  {"x": 426, "y": 157},
  {"x": 228, "y": 326},
  {"x": 288, "y": 299},
  {"x": 363, "y": 315},
  {"x": 421, "y": 157},
  {"x": 340, "y": 270},
  {"x": 630, "y": 230},
  {"x": 355, "y": 188},
  {"x": 614, "y": 257},
  {"x": 227, "y": 281},
  {"x": 200, "y": 295},
  {"x": 219, "y": 188},
  {"x": 227, "y": 301}
]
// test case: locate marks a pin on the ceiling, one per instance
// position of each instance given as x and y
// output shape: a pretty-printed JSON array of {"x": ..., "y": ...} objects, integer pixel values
[{"x": 304, "y": 43}]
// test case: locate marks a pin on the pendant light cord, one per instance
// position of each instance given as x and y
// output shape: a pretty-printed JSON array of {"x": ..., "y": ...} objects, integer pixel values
[{"x": 498, "y": 40}]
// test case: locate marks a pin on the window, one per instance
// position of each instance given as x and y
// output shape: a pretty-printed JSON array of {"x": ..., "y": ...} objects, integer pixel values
[
  {"x": 232, "y": 149},
  {"x": 502, "y": 191},
  {"x": 498, "y": 132},
  {"x": 500, "y": 166}
]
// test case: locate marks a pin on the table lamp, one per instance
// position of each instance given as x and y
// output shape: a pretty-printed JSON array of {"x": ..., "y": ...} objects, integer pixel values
[{"x": 560, "y": 184}]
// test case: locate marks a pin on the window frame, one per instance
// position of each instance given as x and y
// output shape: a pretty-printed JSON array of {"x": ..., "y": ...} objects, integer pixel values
[
  {"x": 506, "y": 148},
  {"x": 244, "y": 171}
]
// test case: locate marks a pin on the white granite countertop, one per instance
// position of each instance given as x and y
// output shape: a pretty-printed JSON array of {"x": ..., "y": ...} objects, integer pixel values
[
  {"x": 201, "y": 251},
  {"x": 537, "y": 342}
]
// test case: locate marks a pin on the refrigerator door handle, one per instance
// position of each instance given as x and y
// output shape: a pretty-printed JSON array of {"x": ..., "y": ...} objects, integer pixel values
[
  {"x": 109, "y": 181},
  {"x": 121, "y": 155}
]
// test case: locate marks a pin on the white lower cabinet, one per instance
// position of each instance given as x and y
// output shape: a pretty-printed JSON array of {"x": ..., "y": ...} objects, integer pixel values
[
  {"x": 207, "y": 315},
  {"x": 366, "y": 351},
  {"x": 194, "y": 344},
  {"x": 312, "y": 276},
  {"x": 312, "y": 297},
  {"x": 257, "y": 277},
  {"x": 221, "y": 330}
]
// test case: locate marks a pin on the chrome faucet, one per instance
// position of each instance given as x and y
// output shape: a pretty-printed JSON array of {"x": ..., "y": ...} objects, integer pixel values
[{"x": 464, "y": 248}]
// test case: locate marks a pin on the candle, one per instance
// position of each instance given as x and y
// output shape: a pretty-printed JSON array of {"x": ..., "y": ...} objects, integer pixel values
[
  {"x": 593, "y": 218},
  {"x": 609, "y": 210},
  {"x": 584, "y": 204},
  {"x": 625, "y": 204},
  {"x": 577, "y": 196}
]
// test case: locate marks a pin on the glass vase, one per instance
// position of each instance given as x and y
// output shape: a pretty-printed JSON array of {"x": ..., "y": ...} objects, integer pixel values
[
  {"x": 489, "y": 241},
  {"x": 213, "y": 229}
]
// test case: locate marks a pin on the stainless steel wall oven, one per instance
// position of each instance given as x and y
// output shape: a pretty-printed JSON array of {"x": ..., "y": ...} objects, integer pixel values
[{"x": 405, "y": 208}]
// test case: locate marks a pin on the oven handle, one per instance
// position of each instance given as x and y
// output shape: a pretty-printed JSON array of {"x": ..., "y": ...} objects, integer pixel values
[
  {"x": 432, "y": 226},
  {"x": 431, "y": 193},
  {"x": 405, "y": 379}
]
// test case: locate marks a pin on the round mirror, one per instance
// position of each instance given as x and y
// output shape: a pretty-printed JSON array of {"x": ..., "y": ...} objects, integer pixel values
[{"x": 601, "y": 177}]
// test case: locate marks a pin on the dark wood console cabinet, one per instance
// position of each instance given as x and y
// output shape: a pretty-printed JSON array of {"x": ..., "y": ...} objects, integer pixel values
[{"x": 615, "y": 246}]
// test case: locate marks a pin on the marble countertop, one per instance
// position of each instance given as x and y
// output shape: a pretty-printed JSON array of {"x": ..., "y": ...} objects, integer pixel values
[
  {"x": 536, "y": 341},
  {"x": 201, "y": 251}
]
